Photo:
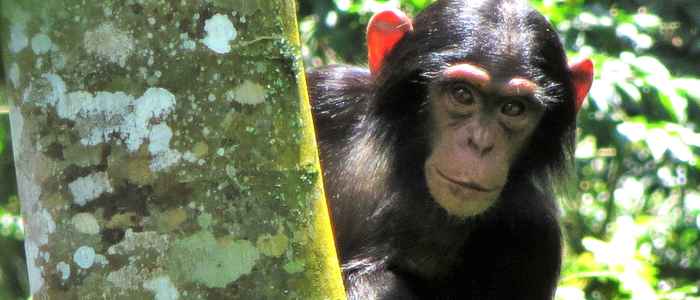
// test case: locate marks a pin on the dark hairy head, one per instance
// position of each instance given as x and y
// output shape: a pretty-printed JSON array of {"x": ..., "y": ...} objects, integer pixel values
[{"x": 506, "y": 37}]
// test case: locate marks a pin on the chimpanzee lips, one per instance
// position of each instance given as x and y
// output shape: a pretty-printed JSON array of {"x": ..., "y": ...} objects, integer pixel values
[{"x": 469, "y": 185}]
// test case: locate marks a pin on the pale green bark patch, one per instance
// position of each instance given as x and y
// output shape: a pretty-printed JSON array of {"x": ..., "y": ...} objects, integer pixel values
[
  {"x": 248, "y": 92},
  {"x": 88, "y": 188},
  {"x": 41, "y": 44},
  {"x": 127, "y": 278},
  {"x": 163, "y": 288},
  {"x": 109, "y": 43},
  {"x": 220, "y": 33},
  {"x": 18, "y": 38},
  {"x": 35, "y": 272},
  {"x": 85, "y": 223},
  {"x": 273, "y": 245},
  {"x": 215, "y": 263},
  {"x": 84, "y": 257},
  {"x": 294, "y": 266},
  {"x": 14, "y": 75},
  {"x": 64, "y": 269},
  {"x": 139, "y": 240}
]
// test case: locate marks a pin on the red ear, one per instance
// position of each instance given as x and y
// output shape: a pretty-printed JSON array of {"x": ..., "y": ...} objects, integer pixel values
[
  {"x": 582, "y": 76},
  {"x": 385, "y": 29}
]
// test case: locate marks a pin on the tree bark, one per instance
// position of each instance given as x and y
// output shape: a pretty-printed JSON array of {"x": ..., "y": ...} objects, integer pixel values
[{"x": 164, "y": 149}]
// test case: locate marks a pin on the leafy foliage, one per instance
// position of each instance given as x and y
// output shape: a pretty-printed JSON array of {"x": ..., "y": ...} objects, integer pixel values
[{"x": 632, "y": 219}]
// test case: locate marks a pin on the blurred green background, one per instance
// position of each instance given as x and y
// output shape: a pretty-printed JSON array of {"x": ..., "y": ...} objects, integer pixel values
[{"x": 632, "y": 212}]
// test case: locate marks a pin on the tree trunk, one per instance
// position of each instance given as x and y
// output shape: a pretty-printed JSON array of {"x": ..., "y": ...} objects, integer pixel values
[{"x": 164, "y": 149}]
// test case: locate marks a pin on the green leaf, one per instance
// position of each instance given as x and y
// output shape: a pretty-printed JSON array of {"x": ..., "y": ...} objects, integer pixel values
[
  {"x": 570, "y": 293},
  {"x": 681, "y": 150},
  {"x": 647, "y": 21},
  {"x": 673, "y": 102},
  {"x": 586, "y": 149},
  {"x": 652, "y": 68},
  {"x": 689, "y": 87},
  {"x": 420, "y": 4},
  {"x": 616, "y": 70},
  {"x": 630, "y": 90},
  {"x": 658, "y": 141},
  {"x": 633, "y": 131},
  {"x": 687, "y": 135},
  {"x": 603, "y": 94},
  {"x": 657, "y": 76}
]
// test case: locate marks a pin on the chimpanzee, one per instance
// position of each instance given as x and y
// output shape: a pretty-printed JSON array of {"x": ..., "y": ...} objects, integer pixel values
[{"x": 440, "y": 160}]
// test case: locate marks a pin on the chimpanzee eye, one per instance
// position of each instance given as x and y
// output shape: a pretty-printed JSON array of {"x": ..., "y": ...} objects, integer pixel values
[
  {"x": 513, "y": 108},
  {"x": 462, "y": 94}
]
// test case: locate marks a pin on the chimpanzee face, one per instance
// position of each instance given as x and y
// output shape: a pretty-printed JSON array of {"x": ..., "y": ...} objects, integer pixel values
[
  {"x": 493, "y": 68},
  {"x": 480, "y": 125}
]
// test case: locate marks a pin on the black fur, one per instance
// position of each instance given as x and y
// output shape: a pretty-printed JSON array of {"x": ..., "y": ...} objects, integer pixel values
[{"x": 395, "y": 242}]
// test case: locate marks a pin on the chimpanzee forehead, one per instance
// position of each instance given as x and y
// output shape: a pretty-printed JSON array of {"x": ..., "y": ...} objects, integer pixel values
[
  {"x": 481, "y": 78},
  {"x": 467, "y": 72},
  {"x": 506, "y": 38},
  {"x": 501, "y": 36}
]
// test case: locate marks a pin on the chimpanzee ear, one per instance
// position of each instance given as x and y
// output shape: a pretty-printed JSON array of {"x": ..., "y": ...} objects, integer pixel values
[
  {"x": 582, "y": 76},
  {"x": 385, "y": 29}
]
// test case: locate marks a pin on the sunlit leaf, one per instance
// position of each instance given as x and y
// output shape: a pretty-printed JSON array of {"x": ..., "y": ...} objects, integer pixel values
[
  {"x": 652, "y": 67},
  {"x": 587, "y": 148},
  {"x": 570, "y": 293},
  {"x": 630, "y": 194},
  {"x": 689, "y": 87},
  {"x": 603, "y": 94},
  {"x": 630, "y": 90},
  {"x": 630, "y": 32},
  {"x": 658, "y": 141},
  {"x": 594, "y": 245},
  {"x": 666, "y": 177},
  {"x": 681, "y": 151},
  {"x": 643, "y": 41},
  {"x": 343, "y": 5},
  {"x": 633, "y": 131},
  {"x": 420, "y": 4},
  {"x": 647, "y": 21},
  {"x": 674, "y": 103},
  {"x": 688, "y": 136},
  {"x": 587, "y": 19},
  {"x": 692, "y": 202},
  {"x": 688, "y": 237},
  {"x": 681, "y": 139},
  {"x": 375, "y": 6},
  {"x": 616, "y": 70},
  {"x": 627, "y": 30}
]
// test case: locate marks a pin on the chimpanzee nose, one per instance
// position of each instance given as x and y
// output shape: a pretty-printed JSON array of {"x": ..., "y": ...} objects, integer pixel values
[{"x": 482, "y": 146}]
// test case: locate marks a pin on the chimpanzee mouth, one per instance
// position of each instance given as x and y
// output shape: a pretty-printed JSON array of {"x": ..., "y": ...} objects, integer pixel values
[{"x": 468, "y": 185}]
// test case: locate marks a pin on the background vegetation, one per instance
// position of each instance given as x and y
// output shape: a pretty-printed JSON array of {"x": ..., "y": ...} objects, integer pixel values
[{"x": 632, "y": 214}]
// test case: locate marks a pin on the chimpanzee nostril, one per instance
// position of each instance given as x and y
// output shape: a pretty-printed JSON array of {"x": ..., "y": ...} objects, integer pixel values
[{"x": 482, "y": 148}]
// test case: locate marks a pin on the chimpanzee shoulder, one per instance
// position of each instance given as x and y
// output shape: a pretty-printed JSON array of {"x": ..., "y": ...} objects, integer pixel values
[{"x": 339, "y": 95}]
